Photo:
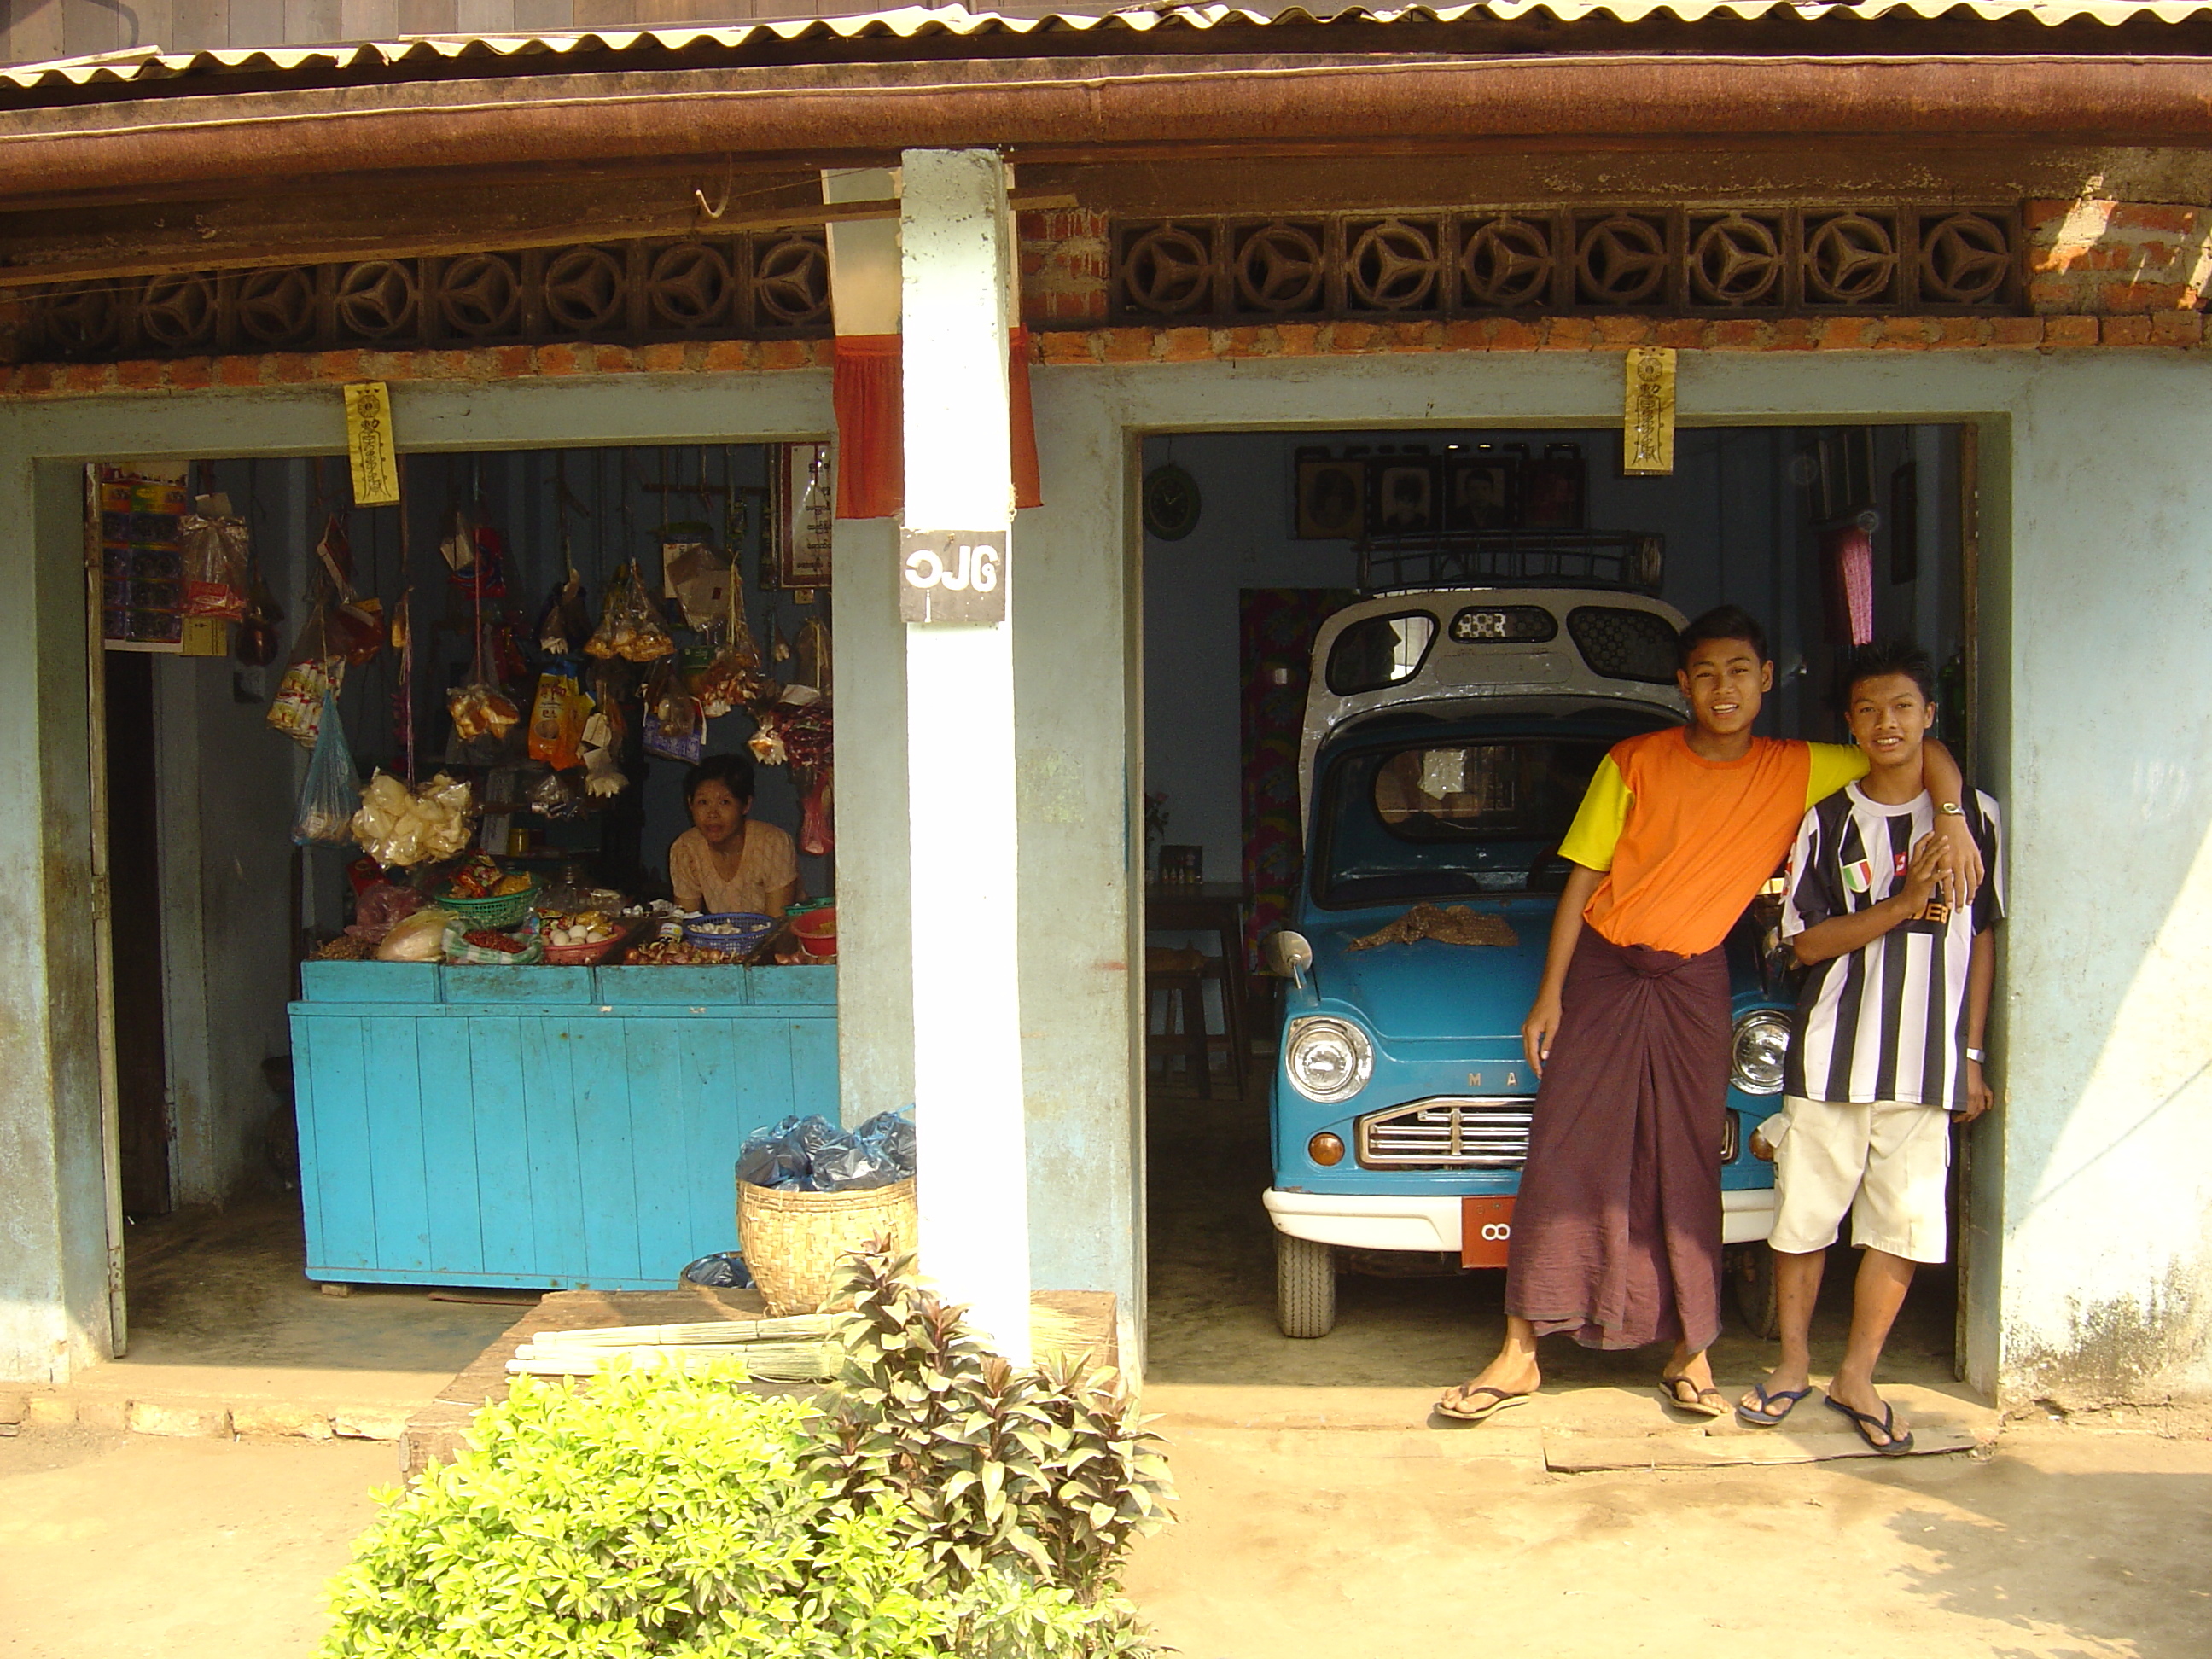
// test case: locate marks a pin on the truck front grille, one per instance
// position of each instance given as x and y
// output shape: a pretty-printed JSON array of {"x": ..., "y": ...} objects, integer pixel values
[{"x": 1447, "y": 1132}]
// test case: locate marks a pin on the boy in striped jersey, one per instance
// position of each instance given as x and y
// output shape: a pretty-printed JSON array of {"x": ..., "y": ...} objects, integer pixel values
[{"x": 1888, "y": 1045}]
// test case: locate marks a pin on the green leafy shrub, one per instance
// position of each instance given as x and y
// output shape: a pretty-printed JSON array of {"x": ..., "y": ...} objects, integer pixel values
[
  {"x": 1045, "y": 1473},
  {"x": 656, "y": 1513},
  {"x": 946, "y": 1505}
]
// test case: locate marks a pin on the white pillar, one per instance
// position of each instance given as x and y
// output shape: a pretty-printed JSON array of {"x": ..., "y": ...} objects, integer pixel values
[{"x": 955, "y": 238}]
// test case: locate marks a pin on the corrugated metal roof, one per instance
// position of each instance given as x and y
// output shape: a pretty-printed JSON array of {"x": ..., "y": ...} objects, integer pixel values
[{"x": 909, "y": 22}]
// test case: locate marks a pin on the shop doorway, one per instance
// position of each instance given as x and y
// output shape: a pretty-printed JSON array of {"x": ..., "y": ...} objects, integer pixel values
[
  {"x": 216, "y": 906},
  {"x": 1830, "y": 535}
]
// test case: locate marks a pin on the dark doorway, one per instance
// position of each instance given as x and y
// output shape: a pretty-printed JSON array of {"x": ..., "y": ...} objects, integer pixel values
[{"x": 134, "y": 883}]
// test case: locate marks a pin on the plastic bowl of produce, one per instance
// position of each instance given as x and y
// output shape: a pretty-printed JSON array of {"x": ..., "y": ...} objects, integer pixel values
[
  {"x": 732, "y": 930},
  {"x": 818, "y": 931}
]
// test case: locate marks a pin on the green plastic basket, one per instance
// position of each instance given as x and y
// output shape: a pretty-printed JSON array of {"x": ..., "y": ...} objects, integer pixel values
[{"x": 502, "y": 911}]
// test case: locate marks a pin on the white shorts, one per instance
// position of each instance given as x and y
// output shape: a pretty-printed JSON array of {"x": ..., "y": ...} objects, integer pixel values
[{"x": 1886, "y": 1162}]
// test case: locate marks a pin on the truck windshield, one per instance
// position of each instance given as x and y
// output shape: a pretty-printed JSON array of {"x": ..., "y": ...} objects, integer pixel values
[{"x": 1451, "y": 817}]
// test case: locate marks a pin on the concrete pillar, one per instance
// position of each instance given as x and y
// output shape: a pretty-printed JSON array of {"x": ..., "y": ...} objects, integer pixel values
[
  {"x": 875, "y": 940},
  {"x": 955, "y": 239}
]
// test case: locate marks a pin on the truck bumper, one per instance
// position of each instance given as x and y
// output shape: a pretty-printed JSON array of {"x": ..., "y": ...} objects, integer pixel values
[{"x": 1361, "y": 1221}]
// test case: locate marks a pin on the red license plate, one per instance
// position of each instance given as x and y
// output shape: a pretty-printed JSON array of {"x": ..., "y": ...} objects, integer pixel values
[{"x": 1486, "y": 1231}]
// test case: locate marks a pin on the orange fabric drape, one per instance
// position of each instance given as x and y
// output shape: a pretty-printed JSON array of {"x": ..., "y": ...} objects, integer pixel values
[
  {"x": 871, "y": 438},
  {"x": 870, "y": 432}
]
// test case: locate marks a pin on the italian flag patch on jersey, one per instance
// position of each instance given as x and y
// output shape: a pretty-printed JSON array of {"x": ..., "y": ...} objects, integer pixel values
[{"x": 1858, "y": 876}]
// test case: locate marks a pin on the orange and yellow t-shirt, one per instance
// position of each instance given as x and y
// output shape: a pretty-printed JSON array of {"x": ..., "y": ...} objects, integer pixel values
[{"x": 1686, "y": 842}]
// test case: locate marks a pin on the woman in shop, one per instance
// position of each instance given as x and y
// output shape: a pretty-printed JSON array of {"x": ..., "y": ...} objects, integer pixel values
[{"x": 729, "y": 861}]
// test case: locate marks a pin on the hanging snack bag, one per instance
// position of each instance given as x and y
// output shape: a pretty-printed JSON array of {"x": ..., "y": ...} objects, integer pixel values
[
  {"x": 400, "y": 828},
  {"x": 630, "y": 627},
  {"x": 674, "y": 729},
  {"x": 215, "y": 560},
  {"x": 557, "y": 722},
  {"x": 331, "y": 793},
  {"x": 564, "y": 624},
  {"x": 312, "y": 673}
]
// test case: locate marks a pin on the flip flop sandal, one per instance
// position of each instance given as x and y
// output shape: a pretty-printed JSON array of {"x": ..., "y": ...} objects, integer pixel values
[
  {"x": 1896, "y": 1445},
  {"x": 1763, "y": 1418},
  {"x": 1500, "y": 1400},
  {"x": 1709, "y": 1402}
]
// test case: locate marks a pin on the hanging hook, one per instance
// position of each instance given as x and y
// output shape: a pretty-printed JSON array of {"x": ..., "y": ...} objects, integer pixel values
[{"x": 716, "y": 209}]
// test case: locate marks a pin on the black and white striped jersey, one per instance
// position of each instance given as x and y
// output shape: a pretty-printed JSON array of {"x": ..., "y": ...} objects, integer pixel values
[{"x": 1888, "y": 1020}]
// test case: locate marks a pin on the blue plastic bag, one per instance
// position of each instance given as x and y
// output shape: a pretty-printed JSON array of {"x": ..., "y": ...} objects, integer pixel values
[{"x": 331, "y": 793}]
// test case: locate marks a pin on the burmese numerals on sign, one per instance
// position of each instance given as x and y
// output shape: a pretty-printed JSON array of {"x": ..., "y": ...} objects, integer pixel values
[{"x": 952, "y": 575}]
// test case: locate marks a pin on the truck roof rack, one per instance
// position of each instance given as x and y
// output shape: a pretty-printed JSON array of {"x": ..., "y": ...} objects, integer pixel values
[{"x": 1634, "y": 560}]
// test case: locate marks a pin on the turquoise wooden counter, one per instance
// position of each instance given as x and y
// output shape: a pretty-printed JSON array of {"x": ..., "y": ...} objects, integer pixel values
[{"x": 554, "y": 1127}]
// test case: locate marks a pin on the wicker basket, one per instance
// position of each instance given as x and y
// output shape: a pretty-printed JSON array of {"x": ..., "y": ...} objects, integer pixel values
[
  {"x": 794, "y": 1241},
  {"x": 502, "y": 911}
]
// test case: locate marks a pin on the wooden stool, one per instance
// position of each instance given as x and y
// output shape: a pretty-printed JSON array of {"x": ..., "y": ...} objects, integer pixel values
[{"x": 1175, "y": 991}]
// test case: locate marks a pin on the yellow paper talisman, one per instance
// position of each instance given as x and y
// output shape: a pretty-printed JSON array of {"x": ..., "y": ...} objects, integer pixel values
[
  {"x": 1648, "y": 420},
  {"x": 368, "y": 443}
]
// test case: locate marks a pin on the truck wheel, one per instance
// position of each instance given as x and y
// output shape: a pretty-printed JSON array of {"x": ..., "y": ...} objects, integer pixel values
[
  {"x": 1751, "y": 1282},
  {"x": 1305, "y": 1286}
]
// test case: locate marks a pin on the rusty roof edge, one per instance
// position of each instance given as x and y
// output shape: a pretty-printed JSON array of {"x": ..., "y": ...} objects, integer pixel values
[{"x": 153, "y": 65}]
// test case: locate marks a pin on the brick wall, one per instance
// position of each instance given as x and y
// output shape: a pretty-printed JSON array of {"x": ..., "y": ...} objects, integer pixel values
[
  {"x": 2096, "y": 257},
  {"x": 1065, "y": 273}
]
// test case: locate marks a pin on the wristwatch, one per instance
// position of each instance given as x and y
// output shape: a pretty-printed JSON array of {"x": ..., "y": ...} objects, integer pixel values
[
  {"x": 1950, "y": 809},
  {"x": 1978, "y": 1056}
]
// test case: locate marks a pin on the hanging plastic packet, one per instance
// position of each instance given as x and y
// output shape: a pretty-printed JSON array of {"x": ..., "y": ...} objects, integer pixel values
[
  {"x": 695, "y": 575},
  {"x": 566, "y": 623},
  {"x": 312, "y": 673},
  {"x": 215, "y": 560},
  {"x": 353, "y": 627},
  {"x": 400, "y": 828},
  {"x": 331, "y": 793},
  {"x": 258, "y": 644},
  {"x": 603, "y": 773},
  {"x": 630, "y": 626},
  {"x": 557, "y": 722},
  {"x": 557, "y": 795},
  {"x": 674, "y": 729}
]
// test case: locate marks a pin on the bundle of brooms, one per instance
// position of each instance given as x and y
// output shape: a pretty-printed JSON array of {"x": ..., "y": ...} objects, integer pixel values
[
  {"x": 797, "y": 1349},
  {"x": 800, "y": 1348}
]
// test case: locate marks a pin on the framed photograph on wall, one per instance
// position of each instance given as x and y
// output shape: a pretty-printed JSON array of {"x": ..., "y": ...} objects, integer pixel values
[
  {"x": 1904, "y": 523},
  {"x": 1555, "y": 489},
  {"x": 1332, "y": 496},
  {"x": 1404, "y": 494},
  {"x": 1482, "y": 487},
  {"x": 796, "y": 554}
]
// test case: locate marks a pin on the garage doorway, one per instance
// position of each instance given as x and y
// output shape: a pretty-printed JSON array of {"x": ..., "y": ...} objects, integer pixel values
[{"x": 1827, "y": 534}]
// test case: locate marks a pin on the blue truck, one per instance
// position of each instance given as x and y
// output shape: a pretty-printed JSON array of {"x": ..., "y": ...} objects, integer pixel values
[{"x": 1449, "y": 736}]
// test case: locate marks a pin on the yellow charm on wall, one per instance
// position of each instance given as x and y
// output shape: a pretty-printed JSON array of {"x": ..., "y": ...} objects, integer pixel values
[
  {"x": 1647, "y": 448},
  {"x": 368, "y": 443}
]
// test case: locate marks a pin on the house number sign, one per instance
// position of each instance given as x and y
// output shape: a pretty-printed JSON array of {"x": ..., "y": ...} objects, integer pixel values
[{"x": 952, "y": 575}]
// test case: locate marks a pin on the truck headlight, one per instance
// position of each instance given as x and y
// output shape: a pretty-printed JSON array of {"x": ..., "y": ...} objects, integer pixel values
[
  {"x": 1327, "y": 1058},
  {"x": 1761, "y": 1050}
]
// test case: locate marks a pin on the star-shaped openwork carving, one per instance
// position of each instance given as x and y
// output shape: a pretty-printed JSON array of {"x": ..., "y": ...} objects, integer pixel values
[
  {"x": 1736, "y": 261},
  {"x": 80, "y": 318},
  {"x": 1394, "y": 267},
  {"x": 479, "y": 294},
  {"x": 1508, "y": 262},
  {"x": 1622, "y": 261},
  {"x": 376, "y": 298},
  {"x": 1167, "y": 269},
  {"x": 687, "y": 284},
  {"x": 583, "y": 289},
  {"x": 1850, "y": 260},
  {"x": 276, "y": 307},
  {"x": 177, "y": 312},
  {"x": 791, "y": 281},
  {"x": 1279, "y": 268},
  {"x": 1964, "y": 259}
]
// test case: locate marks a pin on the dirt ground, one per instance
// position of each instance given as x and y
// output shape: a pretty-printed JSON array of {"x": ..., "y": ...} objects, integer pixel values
[
  {"x": 114, "y": 1545},
  {"x": 1322, "y": 1514}
]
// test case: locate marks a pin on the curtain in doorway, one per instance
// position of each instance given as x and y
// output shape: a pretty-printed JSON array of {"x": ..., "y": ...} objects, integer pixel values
[{"x": 1276, "y": 629}]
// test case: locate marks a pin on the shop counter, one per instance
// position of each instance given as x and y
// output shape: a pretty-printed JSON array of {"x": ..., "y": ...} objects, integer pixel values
[{"x": 539, "y": 1126}]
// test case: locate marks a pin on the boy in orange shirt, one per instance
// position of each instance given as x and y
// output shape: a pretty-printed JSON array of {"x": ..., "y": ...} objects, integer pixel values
[{"x": 1617, "y": 1226}]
